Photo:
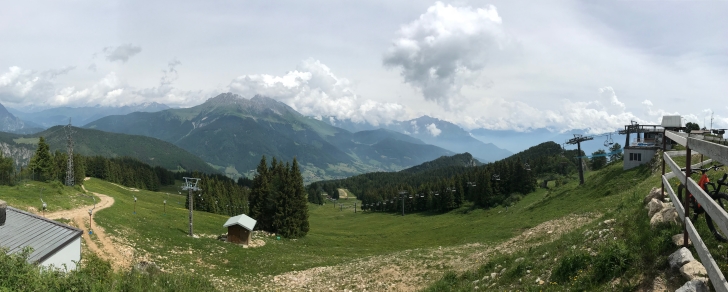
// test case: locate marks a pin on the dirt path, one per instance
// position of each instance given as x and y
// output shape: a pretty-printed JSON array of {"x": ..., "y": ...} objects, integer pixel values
[
  {"x": 102, "y": 245},
  {"x": 411, "y": 270}
]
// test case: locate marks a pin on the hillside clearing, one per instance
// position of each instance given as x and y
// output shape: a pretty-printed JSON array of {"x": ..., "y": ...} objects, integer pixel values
[
  {"x": 420, "y": 247},
  {"x": 412, "y": 270}
]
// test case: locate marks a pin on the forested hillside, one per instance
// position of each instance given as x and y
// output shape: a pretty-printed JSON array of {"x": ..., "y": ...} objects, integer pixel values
[
  {"x": 464, "y": 159},
  {"x": 89, "y": 142},
  {"x": 152, "y": 151},
  {"x": 444, "y": 184}
]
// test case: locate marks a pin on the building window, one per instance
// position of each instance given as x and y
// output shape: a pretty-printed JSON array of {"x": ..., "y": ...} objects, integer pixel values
[{"x": 635, "y": 157}]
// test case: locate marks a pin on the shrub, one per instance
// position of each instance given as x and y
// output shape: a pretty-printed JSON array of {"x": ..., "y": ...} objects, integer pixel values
[
  {"x": 612, "y": 260},
  {"x": 94, "y": 274},
  {"x": 512, "y": 199},
  {"x": 569, "y": 266}
]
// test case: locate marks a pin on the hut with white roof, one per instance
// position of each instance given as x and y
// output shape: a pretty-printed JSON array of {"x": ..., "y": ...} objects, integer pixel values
[{"x": 240, "y": 229}]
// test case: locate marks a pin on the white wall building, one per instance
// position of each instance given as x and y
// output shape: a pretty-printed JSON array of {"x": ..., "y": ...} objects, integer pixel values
[{"x": 54, "y": 244}]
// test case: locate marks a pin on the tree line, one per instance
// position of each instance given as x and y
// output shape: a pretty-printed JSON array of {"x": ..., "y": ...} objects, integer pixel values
[
  {"x": 442, "y": 189},
  {"x": 276, "y": 197}
]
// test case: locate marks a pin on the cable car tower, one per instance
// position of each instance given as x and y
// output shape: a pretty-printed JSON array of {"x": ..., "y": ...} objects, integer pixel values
[
  {"x": 578, "y": 138},
  {"x": 190, "y": 186}
]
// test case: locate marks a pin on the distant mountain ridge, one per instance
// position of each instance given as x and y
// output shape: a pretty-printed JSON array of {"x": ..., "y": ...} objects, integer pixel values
[
  {"x": 233, "y": 133},
  {"x": 11, "y": 123},
  {"x": 89, "y": 142},
  {"x": 518, "y": 141},
  {"x": 83, "y": 115},
  {"x": 436, "y": 132}
]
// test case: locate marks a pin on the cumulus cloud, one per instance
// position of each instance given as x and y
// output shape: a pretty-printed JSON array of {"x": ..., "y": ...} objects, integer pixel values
[
  {"x": 121, "y": 53},
  {"x": 22, "y": 87},
  {"x": 446, "y": 48},
  {"x": 19, "y": 85},
  {"x": 610, "y": 100},
  {"x": 434, "y": 131},
  {"x": 313, "y": 89},
  {"x": 591, "y": 115}
]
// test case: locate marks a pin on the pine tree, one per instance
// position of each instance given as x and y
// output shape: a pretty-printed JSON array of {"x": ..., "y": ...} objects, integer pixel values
[
  {"x": 42, "y": 163},
  {"x": 300, "y": 205},
  {"x": 6, "y": 170},
  {"x": 460, "y": 195},
  {"x": 79, "y": 169},
  {"x": 282, "y": 219},
  {"x": 259, "y": 195}
]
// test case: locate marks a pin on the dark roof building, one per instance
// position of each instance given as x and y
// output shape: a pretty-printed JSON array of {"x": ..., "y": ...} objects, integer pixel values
[{"x": 53, "y": 243}]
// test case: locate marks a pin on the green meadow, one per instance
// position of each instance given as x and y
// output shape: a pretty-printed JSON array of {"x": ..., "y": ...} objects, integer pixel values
[{"x": 341, "y": 237}]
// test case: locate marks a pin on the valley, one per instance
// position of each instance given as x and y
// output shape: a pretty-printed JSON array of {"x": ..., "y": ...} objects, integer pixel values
[
  {"x": 388, "y": 251},
  {"x": 363, "y": 146}
]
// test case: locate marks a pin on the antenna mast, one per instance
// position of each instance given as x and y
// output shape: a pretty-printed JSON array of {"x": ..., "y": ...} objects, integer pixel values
[{"x": 70, "y": 180}]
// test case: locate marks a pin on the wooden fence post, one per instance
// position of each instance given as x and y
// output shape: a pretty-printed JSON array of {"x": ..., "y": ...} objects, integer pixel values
[
  {"x": 686, "y": 203},
  {"x": 664, "y": 140}
]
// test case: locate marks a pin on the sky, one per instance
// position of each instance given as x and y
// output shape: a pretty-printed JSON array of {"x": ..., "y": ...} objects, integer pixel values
[{"x": 499, "y": 65}]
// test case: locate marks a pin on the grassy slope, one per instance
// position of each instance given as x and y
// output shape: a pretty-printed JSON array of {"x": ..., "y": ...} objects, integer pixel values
[
  {"x": 340, "y": 236},
  {"x": 335, "y": 237},
  {"x": 26, "y": 195},
  {"x": 628, "y": 257}
]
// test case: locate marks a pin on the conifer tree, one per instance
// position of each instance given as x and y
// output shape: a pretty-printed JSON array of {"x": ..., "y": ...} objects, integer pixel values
[
  {"x": 300, "y": 205},
  {"x": 460, "y": 195},
  {"x": 259, "y": 195},
  {"x": 282, "y": 219},
  {"x": 42, "y": 163}
]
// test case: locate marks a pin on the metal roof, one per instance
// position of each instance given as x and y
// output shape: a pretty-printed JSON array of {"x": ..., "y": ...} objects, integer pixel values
[
  {"x": 45, "y": 236},
  {"x": 242, "y": 220}
]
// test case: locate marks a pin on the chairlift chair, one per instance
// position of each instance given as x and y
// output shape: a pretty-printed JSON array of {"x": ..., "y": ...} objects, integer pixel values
[{"x": 609, "y": 141}]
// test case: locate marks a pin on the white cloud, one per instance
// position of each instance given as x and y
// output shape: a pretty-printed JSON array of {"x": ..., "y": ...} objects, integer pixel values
[
  {"x": 647, "y": 102},
  {"x": 313, "y": 89},
  {"x": 610, "y": 98},
  {"x": 568, "y": 115},
  {"x": 121, "y": 53},
  {"x": 20, "y": 87},
  {"x": 434, "y": 131},
  {"x": 26, "y": 86},
  {"x": 446, "y": 48},
  {"x": 415, "y": 128}
]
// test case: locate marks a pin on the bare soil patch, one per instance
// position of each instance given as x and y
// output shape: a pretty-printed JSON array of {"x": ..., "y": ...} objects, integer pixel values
[{"x": 102, "y": 246}]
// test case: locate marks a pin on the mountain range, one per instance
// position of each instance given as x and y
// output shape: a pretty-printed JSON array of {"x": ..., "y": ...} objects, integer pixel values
[
  {"x": 232, "y": 133},
  {"x": 89, "y": 142},
  {"x": 12, "y": 124},
  {"x": 436, "y": 132},
  {"x": 518, "y": 141},
  {"x": 82, "y": 115}
]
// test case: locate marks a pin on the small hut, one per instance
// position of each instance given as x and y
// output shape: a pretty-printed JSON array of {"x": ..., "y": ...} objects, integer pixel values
[{"x": 240, "y": 229}]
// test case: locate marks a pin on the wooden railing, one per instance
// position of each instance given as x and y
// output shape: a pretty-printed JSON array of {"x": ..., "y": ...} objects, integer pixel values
[{"x": 717, "y": 153}]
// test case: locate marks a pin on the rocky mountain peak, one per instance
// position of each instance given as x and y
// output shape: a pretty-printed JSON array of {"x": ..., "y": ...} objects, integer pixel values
[{"x": 257, "y": 104}]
